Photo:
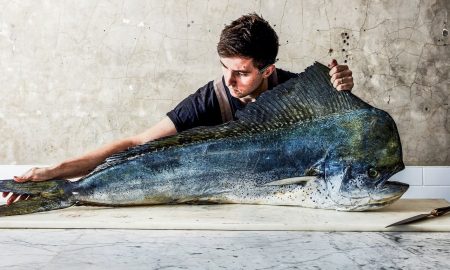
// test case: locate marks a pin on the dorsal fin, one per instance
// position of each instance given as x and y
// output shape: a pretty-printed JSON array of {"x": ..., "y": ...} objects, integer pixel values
[{"x": 306, "y": 97}]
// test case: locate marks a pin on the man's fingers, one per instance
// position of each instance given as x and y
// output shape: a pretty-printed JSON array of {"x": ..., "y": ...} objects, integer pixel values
[
  {"x": 11, "y": 199},
  {"x": 338, "y": 68},
  {"x": 333, "y": 63},
  {"x": 341, "y": 77},
  {"x": 20, "y": 179},
  {"x": 344, "y": 87},
  {"x": 23, "y": 197},
  {"x": 336, "y": 83},
  {"x": 342, "y": 81},
  {"x": 34, "y": 174},
  {"x": 342, "y": 74}
]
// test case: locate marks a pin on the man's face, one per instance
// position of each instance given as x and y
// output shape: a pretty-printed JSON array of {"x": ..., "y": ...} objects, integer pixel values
[{"x": 241, "y": 76}]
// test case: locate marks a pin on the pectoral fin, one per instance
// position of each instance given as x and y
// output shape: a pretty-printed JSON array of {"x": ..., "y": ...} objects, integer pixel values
[{"x": 291, "y": 181}]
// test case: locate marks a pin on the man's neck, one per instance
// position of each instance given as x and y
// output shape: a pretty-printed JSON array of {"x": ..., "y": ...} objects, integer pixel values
[{"x": 258, "y": 91}]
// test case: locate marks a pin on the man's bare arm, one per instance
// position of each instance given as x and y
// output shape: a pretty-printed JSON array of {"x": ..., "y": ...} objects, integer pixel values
[{"x": 82, "y": 165}]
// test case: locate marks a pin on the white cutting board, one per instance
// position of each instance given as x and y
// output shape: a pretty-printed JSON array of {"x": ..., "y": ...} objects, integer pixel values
[{"x": 234, "y": 217}]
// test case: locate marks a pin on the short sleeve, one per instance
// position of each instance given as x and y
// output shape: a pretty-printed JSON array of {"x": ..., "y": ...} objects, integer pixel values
[{"x": 198, "y": 109}]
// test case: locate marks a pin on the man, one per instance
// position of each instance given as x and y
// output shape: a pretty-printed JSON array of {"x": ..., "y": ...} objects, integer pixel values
[{"x": 247, "y": 49}]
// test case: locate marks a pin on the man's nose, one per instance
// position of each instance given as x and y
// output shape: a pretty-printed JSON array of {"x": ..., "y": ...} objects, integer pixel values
[{"x": 230, "y": 80}]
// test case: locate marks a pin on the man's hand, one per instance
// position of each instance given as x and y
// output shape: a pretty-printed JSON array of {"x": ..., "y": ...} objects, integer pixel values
[
  {"x": 341, "y": 76},
  {"x": 34, "y": 174}
]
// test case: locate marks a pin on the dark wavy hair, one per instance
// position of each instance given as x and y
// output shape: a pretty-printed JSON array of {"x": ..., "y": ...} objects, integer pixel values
[{"x": 249, "y": 36}]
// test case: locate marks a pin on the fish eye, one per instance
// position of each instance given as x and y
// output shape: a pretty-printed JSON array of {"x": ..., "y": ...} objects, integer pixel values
[{"x": 372, "y": 173}]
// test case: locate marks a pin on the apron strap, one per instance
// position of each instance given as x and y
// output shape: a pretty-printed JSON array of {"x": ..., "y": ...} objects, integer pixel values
[{"x": 224, "y": 103}]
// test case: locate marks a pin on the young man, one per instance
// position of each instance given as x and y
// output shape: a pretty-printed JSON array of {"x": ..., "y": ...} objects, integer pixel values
[{"x": 247, "y": 49}]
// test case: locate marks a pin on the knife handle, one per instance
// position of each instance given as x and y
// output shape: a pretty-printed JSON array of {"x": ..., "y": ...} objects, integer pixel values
[{"x": 440, "y": 211}]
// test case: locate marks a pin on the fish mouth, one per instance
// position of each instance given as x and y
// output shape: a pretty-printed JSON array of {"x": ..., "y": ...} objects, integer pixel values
[
  {"x": 381, "y": 197},
  {"x": 393, "y": 187},
  {"x": 387, "y": 194},
  {"x": 380, "y": 184}
]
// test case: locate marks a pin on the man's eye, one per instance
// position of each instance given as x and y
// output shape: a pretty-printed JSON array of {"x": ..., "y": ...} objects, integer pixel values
[{"x": 242, "y": 74}]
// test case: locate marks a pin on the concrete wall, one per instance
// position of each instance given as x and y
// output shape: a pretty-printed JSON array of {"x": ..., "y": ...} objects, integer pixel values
[{"x": 77, "y": 74}]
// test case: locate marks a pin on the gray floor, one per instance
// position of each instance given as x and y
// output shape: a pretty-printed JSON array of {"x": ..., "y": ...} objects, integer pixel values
[{"x": 153, "y": 249}]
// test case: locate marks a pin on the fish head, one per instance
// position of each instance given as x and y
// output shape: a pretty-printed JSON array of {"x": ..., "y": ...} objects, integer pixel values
[{"x": 357, "y": 172}]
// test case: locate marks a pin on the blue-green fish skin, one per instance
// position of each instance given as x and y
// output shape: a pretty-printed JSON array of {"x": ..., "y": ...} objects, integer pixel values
[
  {"x": 346, "y": 149},
  {"x": 234, "y": 170}
]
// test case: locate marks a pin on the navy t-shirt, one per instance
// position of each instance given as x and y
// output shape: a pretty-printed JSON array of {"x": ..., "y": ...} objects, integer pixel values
[{"x": 202, "y": 108}]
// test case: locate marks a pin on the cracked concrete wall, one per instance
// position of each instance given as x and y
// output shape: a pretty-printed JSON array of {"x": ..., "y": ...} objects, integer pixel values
[{"x": 78, "y": 74}]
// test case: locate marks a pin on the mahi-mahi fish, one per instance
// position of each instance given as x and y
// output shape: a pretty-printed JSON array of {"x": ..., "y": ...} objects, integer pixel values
[{"x": 302, "y": 143}]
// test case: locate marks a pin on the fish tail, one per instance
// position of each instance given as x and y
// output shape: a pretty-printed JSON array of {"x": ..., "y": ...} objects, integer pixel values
[{"x": 45, "y": 196}]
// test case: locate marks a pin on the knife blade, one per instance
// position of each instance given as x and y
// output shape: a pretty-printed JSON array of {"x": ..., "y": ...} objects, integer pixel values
[{"x": 435, "y": 213}]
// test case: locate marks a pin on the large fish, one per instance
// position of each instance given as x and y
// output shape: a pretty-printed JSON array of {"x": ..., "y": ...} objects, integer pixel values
[{"x": 302, "y": 143}]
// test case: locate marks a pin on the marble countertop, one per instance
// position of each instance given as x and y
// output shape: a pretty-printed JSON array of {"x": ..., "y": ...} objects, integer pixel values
[{"x": 167, "y": 249}]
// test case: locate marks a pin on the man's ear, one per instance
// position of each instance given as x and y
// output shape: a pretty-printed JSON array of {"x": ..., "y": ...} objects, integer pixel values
[{"x": 269, "y": 70}]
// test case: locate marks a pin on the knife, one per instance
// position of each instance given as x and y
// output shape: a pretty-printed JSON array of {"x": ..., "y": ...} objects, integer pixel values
[{"x": 435, "y": 213}]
